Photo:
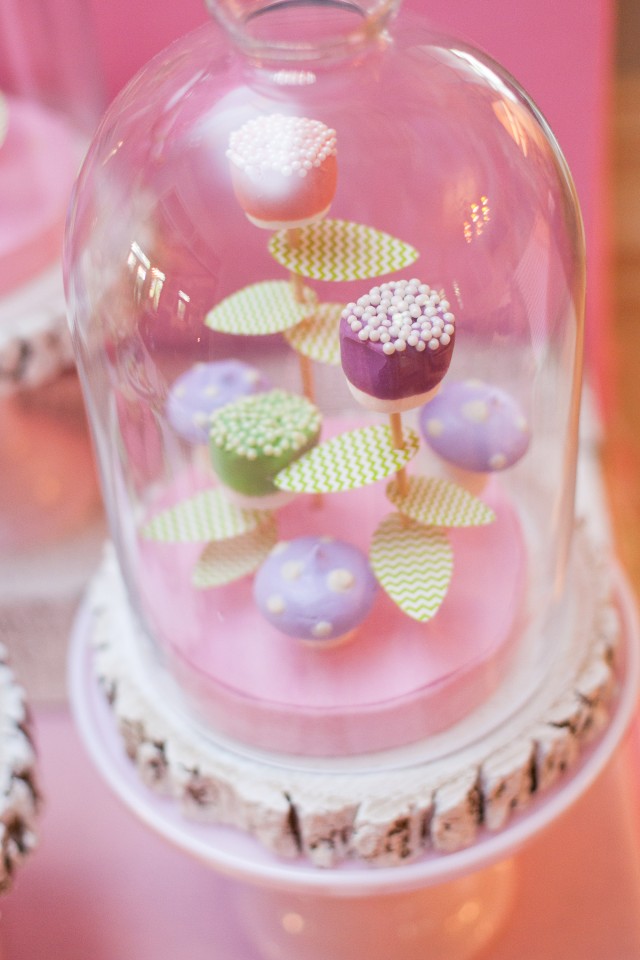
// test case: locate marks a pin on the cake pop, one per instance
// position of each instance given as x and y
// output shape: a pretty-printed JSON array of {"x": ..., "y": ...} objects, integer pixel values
[
  {"x": 316, "y": 589},
  {"x": 284, "y": 170},
  {"x": 205, "y": 387},
  {"x": 251, "y": 440},
  {"x": 396, "y": 344},
  {"x": 476, "y": 428}
]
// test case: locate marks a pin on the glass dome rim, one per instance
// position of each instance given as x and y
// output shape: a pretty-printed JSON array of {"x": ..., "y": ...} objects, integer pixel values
[{"x": 365, "y": 31}]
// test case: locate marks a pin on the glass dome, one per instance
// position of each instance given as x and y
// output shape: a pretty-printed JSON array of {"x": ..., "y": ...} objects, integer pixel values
[{"x": 325, "y": 272}]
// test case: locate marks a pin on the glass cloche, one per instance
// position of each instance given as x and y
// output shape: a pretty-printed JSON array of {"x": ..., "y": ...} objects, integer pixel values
[{"x": 325, "y": 272}]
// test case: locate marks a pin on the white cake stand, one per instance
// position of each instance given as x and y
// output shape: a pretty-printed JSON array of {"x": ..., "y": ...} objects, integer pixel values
[{"x": 446, "y": 907}]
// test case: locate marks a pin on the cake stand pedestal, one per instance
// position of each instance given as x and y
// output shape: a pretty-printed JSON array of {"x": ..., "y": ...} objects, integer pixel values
[{"x": 447, "y": 907}]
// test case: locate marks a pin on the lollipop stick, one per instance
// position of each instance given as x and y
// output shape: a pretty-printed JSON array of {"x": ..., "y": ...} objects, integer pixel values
[
  {"x": 306, "y": 373},
  {"x": 293, "y": 237},
  {"x": 395, "y": 421},
  {"x": 306, "y": 367},
  {"x": 297, "y": 284}
]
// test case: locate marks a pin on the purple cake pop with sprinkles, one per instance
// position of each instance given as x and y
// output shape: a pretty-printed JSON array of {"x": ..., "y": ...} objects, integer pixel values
[
  {"x": 206, "y": 387},
  {"x": 396, "y": 344},
  {"x": 476, "y": 428},
  {"x": 315, "y": 589}
]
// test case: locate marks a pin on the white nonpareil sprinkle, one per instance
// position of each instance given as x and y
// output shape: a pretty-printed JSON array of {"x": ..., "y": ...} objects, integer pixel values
[
  {"x": 402, "y": 314},
  {"x": 282, "y": 144}
]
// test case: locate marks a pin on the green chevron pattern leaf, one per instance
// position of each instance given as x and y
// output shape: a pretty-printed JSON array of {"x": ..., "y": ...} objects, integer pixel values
[
  {"x": 318, "y": 337},
  {"x": 229, "y": 560},
  {"x": 413, "y": 564},
  {"x": 437, "y": 502},
  {"x": 350, "y": 460},
  {"x": 260, "y": 309},
  {"x": 341, "y": 250},
  {"x": 208, "y": 515}
]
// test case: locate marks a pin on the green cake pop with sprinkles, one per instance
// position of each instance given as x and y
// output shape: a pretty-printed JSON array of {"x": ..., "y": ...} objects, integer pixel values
[{"x": 251, "y": 440}]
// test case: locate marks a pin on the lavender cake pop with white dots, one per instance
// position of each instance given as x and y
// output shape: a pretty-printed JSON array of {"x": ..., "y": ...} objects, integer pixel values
[
  {"x": 283, "y": 170},
  {"x": 396, "y": 343},
  {"x": 476, "y": 427},
  {"x": 316, "y": 589},
  {"x": 206, "y": 387}
]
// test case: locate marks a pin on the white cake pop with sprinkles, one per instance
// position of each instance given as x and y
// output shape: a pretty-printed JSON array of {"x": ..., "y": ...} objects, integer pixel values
[{"x": 284, "y": 170}]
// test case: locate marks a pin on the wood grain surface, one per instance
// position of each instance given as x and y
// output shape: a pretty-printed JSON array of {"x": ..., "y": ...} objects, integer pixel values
[{"x": 621, "y": 448}]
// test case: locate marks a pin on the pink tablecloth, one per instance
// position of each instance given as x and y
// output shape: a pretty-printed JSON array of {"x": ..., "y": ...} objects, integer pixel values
[{"x": 102, "y": 887}]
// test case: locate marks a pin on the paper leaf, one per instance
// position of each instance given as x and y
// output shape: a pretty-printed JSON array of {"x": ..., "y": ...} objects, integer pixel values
[
  {"x": 341, "y": 250},
  {"x": 208, "y": 515},
  {"x": 229, "y": 560},
  {"x": 437, "y": 502},
  {"x": 348, "y": 461},
  {"x": 413, "y": 564},
  {"x": 262, "y": 308},
  {"x": 318, "y": 338}
]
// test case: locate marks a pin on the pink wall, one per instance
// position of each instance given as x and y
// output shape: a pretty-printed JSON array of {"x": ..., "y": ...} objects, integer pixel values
[{"x": 561, "y": 52}]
